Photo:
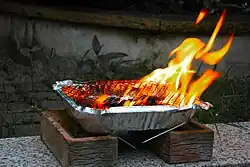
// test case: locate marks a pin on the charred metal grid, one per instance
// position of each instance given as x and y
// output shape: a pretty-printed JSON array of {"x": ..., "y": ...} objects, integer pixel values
[{"x": 141, "y": 93}]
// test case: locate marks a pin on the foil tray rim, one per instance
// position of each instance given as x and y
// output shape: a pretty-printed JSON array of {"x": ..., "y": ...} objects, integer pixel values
[{"x": 115, "y": 110}]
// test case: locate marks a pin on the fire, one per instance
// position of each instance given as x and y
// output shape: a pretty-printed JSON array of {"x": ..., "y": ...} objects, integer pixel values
[
  {"x": 201, "y": 16},
  {"x": 179, "y": 72},
  {"x": 173, "y": 85}
]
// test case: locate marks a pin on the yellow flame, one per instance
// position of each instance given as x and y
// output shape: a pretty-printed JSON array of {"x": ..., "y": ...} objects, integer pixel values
[
  {"x": 179, "y": 72},
  {"x": 201, "y": 16}
]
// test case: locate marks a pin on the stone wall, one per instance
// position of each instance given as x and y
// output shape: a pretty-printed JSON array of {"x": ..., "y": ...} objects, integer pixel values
[{"x": 34, "y": 54}]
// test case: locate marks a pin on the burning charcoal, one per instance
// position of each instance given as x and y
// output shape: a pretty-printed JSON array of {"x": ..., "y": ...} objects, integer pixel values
[
  {"x": 92, "y": 89},
  {"x": 74, "y": 93},
  {"x": 152, "y": 100},
  {"x": 168, "y": 98},
  {"x": 107, "y": 87},
  {"x": 97, "y": 89},
  {"x": 113, "y": 101},
  {"x": 87, "y": 102},
  {"x": 81, "y": 97},
  {"x": 174, "y": 98},
  {"x": 68, "y": 89},
  {"x": 101, "y": 102},
  {"x": 159, "y": 91},
  {"x": 132, "y": 91},
  {"x": 122, "y": 102},
  {"x": 65, "y": 89},
  {"x": 122, "y": 88},
  {"x": 142, "y": 100}
]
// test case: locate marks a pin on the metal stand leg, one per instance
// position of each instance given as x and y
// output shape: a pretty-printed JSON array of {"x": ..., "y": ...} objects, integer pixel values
[
  {"x": 151, "y": 138},
  {"x": 118, "y": 134},
  {"x": 163, "y": 133},
  {"x": 129, "y": 144}
]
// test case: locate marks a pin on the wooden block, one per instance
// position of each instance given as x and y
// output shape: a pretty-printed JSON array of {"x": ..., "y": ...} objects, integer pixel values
[
  {"x": 191, "y": 143},
  {"x": 72, "y": 146}
]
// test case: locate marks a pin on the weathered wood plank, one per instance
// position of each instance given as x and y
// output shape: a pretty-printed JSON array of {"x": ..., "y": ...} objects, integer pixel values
[
  {"x": 190, "y": 143},
  {"x": 110, "y": 19},
  {"x": 72, "y": 146},
  {"x": 168, "y": 23}
]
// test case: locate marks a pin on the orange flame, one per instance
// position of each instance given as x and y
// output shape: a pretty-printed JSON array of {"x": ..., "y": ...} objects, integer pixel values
[
  {"x": 201, "y": 16},
  {"x": 179, "y": 72},
  {"x": 99, "y": 102}
]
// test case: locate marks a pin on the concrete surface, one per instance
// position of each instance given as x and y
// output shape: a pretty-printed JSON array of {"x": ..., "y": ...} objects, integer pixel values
[{"x": 233, "y": 151}]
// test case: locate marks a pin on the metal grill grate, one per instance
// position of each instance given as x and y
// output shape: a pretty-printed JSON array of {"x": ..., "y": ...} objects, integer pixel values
[{"x": 118, "y": 92}]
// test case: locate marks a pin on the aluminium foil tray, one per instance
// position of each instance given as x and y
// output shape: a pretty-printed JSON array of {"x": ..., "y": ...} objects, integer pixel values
[{"x": 124, "y": 118}]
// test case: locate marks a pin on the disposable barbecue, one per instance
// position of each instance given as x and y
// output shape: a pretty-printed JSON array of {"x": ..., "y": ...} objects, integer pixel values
[
  {"x": 164, "y": 99},
  {"x": 105, "y": 94}
]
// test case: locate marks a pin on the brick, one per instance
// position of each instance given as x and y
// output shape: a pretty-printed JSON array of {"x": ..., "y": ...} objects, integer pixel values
[
  {"x": 21, "y": 130},
  {"x": 21, "y": 118},
  {"x": 42, "y": 87},
  {"x": 10, "y": 97},
  {"x": 3, "y": 76},
  {"x": 56, "y": 130},
  {"x": 52, "y": 105},
  {"x": 37, "y": 87},
  {"x": 45, "y": 96},
  {"x": 38, "y": 78},
  {"x": 17, "y": 107},
  {"x": 34, "y": 97},
  {"x": 7, "y": 88}
]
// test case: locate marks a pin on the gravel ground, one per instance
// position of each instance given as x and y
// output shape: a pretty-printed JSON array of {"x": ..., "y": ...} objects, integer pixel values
[{"x": 235, "y": 151}]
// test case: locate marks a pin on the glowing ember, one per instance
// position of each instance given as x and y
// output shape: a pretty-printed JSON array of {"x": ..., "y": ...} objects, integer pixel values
[{"x": 172, "y": 85}]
